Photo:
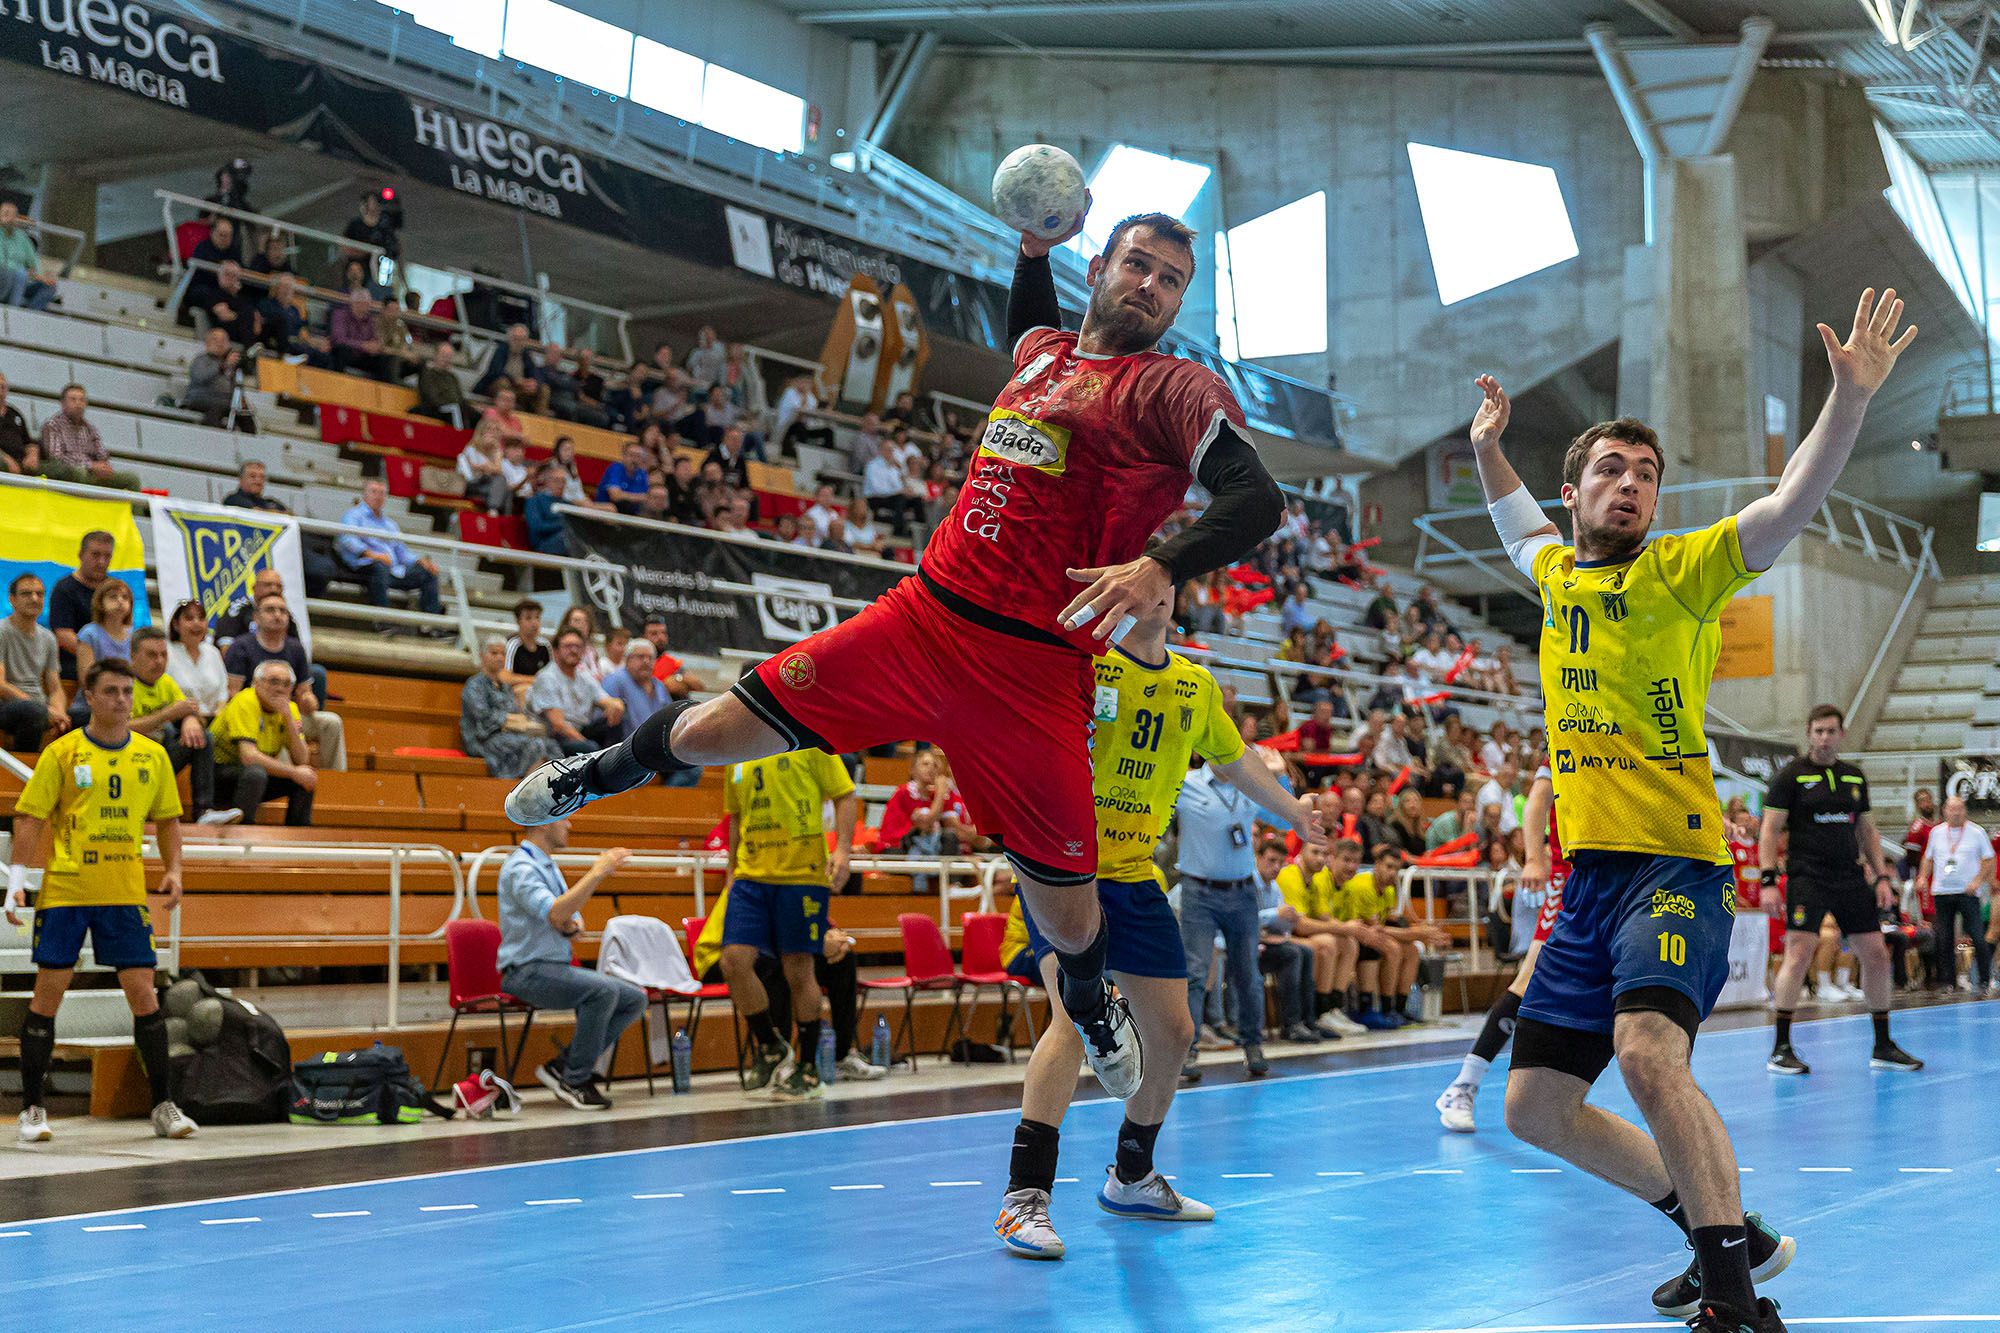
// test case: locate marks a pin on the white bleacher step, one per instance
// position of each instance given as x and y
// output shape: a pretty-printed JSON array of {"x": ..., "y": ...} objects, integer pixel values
[
  {"x": 1931, "y": 706},
  {"x": 1980, "y": 648},
  {"x": 1981, "y": 619},
  {"x": 1936, "y": 677},
  {"x": 1972, "y": 591},
  {"x": 84, "y": 1013},
  {"x": 1941, "y": 736}
]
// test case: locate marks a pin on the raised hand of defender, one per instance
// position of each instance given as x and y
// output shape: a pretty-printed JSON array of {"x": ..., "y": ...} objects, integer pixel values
[
  {"x": 1491, "y": 418},
  {"x": 1034, "y": 247},
  {"x": 1866, "y": 358}
]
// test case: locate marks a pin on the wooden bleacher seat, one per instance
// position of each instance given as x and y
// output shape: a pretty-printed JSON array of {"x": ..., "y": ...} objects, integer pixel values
[
  {"x": 378, "y": 800},
  {"x": 477, "y": 799},
  {"x": 892, "y": 771}
]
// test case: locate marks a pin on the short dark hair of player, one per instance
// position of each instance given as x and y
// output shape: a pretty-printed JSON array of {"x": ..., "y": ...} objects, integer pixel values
[
  {"x": 147, "y": 634},
  {"x": 106, "y": 666},
  {"x": 1348, "y": 845},
  {"x": 1163, "y": 225},
  {"x": 1827, "y": 710},
  {"x": 1385, "y": 852},
  {"x": 571, "y": 633},
  {"x": 14, "y": 585},
  {"x": 1629, "y": 429}
]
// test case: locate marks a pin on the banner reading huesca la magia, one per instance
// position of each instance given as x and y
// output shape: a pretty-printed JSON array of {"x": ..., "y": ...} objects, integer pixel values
[{"x": 719, "y": 592}]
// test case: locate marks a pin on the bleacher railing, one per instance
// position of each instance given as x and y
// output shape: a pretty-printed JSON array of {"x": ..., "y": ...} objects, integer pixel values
[{"x": 73, "y": 240}]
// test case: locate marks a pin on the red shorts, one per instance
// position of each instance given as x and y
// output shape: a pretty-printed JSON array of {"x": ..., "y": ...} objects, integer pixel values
[
  {"x": 1552, "y": 903},
  {"x": 1013, "y": 716}
]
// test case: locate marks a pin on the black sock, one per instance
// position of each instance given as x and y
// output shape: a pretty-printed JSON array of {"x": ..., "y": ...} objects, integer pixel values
[
  {"x": 808, "y": 1048},
  {"x": 1368, "y": 1002},
  {"x": 1499, "y": 1026},
  {"x": 1881, "y": 1017},
  {"x": 149, "y": 1034},
  {"x": 1033, "y": 1166},
  {"x": 1671, "y": 1206},
  {"x": 762, "y": 1030},
  {"x": 1135, "y": 1151},
  {"x": 1402, "y": 1003},
  {"x": 1325, "y": 1000},
  {"x": 629, "y": 763},
  {"x": 1724, "y": 1256},
  {"x": 1080, "y": 978},
  {"x": 38, "y": 1046},
  {"x": 1784, "y": 1028}
]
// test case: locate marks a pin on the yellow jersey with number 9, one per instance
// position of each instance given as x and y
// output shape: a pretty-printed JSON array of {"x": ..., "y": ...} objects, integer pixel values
[
  {"x": 1148, "y": 719},
  {"x": 97, "y": 799},
  {"x": 1628, "y": 650}
]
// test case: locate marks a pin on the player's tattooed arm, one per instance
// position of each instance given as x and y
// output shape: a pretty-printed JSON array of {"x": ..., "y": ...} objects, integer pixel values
[{"x": 1860, "y": 365}]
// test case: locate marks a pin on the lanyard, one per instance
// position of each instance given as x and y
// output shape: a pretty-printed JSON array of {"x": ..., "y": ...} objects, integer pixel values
[{"x": 1951, "y": 847}]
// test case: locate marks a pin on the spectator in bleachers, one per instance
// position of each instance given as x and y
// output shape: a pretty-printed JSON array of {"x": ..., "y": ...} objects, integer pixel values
[
  {"x": 273, "y": 257},
  {"x": 1498, "y": 745},
  {"x": 69, "y": 600},
  {"x": 491, "y": 724},
  {"x": 355, "y": 340},
  {"x": 744, "y": 381},
  {"x": 1500, "y": 679},
  {"x": 439, "y": 393},
  {"x": 562, "y": 454},
  {"x": 559, "y": 387},
  {"x": 1392, "y": 753},
  {"x": 527, "y": 652},
  {"x": 539, "y": 914},
  {"x": 546, "y": 532},
  {"x": 282, "y": 327},
  {"x": 734, "y": 518},
  {"x": 580, "y": 715},
  {"x": 221, "y": 299},
  {"x": 712, "y": 492},
  {"x": 627, "y": 401},
  {"x": 667, "y": 668},
  {"x": 194, "y": 661},
  {"x": 866, "y": 443},
  {"x": 1455, "y": 823},
  {"x": 1408, "y": 826},
  {"x": 825, "y": 509},
  {"x": 732, "y": 451},
  {"x": 882, "y": 486},
  {"x": 506, "y": 420},
  {"x": 260, "y": 753},
  {"x": 1500, "y": 790},
  {"x": 1363, "y": 739},
  {"x": 212, "y": 380},
  {"x": 794, "y": 422},
  {"x": 370, "y": 227},
  {"x": 358, "y": 275},
  {"x": 1431, "y": 660},
  {"x": 72, "y": 450},
  {"x": 1447, "y": 756},
  {"x": 657, "y": 505},
  {"x": 400, "y": 354},
  {"x": 1382, "y": 610},
  {"x": 909, "y": 412},
  {"x": 220, "y": 247},
  {"x": 786, "y": 532},
  {"x": 857, "y": 533},
  {"x": 250, "y": 493},
  {"x": 706, "y": 360},
  {"x": 272, "y": 636},
  {"x": 482, "y": 464},
  {"x": 109, "y": 633},
  {"x": 513, "y": 363},
  {"x": 19, "y": 451},
  {"x": 163, "y": 712},
  {"x": 1429, "y": 613},
  {"x": 21, "y": 262},
  {"x": 624, "y": 484},
  {"x": 591, "y": 392},
  {"x": 384, "y": 563},
  {"x": 32, "y": 702},
  {"x": 1316, "y": 735},
  {"x": 683, "y": 502},
  {"x": 594, "y": 664},
  {"x": 634, "y": 685}
]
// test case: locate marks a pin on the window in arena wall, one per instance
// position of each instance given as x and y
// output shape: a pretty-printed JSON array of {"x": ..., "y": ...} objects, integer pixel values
[
  {"x": 667, "y": 80},
  {"x": 569, "y": 43},
  {"x": 1131, "y": 180},
  {"x": 473, "y": 25},
  {"x": 1489, "y": 220},
  {"x": 742, "y": 108},
  {"x": 1270, "y": 283}
]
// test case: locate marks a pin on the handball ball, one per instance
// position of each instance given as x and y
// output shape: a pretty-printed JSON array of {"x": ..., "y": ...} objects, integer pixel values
[{"x": 1038, "y": 190}]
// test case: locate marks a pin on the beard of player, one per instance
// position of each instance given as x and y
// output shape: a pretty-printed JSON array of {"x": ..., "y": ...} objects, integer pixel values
[
  {"x": 1118, "y": 326},
  {"x": 1609, "y": 543}
]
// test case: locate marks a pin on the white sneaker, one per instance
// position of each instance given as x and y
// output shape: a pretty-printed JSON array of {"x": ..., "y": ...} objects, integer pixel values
[
  {"x": 554, "y": 791},
  {"x": 1849, "y": 992},
  {"x": 34, "y": 1126},
  {"x": 1338, "y": 1020},
  {"x": 217, "y": 818},
  {"x": 170, "y": 1122},
  {"x": 1153, "y": 1199},
  {"x": 1111, "y": 1045},
  {"x": 856, "y": 1068},
  {"x": 1968, "y": 985},
  {"x": 1024, "y": 1228},
  {"x": 1454, "y": 1106},
  {"x": 1993, "y": 986}
]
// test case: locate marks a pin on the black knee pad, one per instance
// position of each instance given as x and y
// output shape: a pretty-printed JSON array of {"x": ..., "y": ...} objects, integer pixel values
[
  {"x": 1661, "y": 1000},
  {"x": 1577, "y": 1052}
]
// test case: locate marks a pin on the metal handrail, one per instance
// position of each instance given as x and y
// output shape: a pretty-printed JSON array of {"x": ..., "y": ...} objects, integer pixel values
[
  {"x": 169, "y": 198},
  {"x": 76, "y": 240}
]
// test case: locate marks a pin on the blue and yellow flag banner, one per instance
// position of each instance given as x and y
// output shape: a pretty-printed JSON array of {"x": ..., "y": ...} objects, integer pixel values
[
  {"x": 42, "y": 530},
  {"x": 211, "y": 553}
]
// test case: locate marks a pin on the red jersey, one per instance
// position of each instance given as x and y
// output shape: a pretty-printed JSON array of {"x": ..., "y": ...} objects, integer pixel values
[
  {"x": 1917, "y": 837},
  {"x": 1083, "y": 457},
  {"x": 1749, "y": 879}
]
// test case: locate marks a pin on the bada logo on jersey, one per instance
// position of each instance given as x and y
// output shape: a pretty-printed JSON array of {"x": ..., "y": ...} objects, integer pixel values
[{"x": 1026, "y": 442}]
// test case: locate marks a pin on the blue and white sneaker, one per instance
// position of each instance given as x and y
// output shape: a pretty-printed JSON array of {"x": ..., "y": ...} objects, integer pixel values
[
  {"x": 1153, "y": 1199},
  {"x": 554, "y": 791},
  {"x": 1023, "y": 1225}
]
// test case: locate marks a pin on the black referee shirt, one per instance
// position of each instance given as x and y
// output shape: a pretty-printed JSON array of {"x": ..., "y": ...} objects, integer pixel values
[{"x": 1825, "y": 802}]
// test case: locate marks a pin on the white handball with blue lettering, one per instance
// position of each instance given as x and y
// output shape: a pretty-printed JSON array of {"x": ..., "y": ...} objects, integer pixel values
[{"x": 1039, "y": 190}]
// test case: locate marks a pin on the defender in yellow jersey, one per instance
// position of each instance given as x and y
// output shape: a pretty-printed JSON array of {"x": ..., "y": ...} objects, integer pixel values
[
  {"x": 1640, "y": 951},
  {"x": 1155, "y": 711},
  {"x": 93, "y": 791},
  {"x": 781, "y": 877}
]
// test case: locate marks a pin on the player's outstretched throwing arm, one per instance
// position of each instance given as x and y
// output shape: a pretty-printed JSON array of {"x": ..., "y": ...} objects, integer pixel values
[
  {"x": 1860, "y": 365},
  {"x": 1524, "y": 529}
]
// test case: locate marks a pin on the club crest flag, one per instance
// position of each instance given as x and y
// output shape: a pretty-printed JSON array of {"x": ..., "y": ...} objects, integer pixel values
[
  {"x": 211, "y": 553},
  {"x": 44, "y": 528}
]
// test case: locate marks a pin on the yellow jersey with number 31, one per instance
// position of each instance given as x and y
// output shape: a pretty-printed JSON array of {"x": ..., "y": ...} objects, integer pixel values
[
  {"x": 97, "y": 800},
  {"x": 1628, "y": 649},
  {"x": 1148, "y": 719}
]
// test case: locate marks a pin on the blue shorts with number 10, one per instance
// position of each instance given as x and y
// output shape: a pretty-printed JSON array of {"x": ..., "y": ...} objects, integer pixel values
[{"x": 1632, "y": 921}]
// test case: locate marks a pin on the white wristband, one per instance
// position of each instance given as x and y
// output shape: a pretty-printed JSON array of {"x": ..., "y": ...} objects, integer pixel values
[
  {"x": 1518, "y": 519},
  {"x": 17, "y": 881}
]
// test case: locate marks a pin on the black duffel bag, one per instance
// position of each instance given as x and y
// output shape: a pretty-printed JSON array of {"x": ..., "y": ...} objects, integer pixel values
[
  {"x": 244, "y": 1076},
  {"x": 373, "y": 1086}
]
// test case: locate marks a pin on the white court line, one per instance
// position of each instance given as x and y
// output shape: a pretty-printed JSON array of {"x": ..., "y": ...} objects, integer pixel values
[
  {"x": 954, "y": 1184},
  {"x": 1067, "y": 1180},
  {"x": 762, "y": 1191},
  {"x": 548, "y": 1203},
  {"x": 352, "y": 1212},
  {"x": 9, "y": 1235},
  {"x": 659, "y": 1196},
  {"x": 447, "y": 1207},
  {"x": 229, "y": 1221},
  {"x": 1925, "y": 1170},
  {"x": 1982, "y": 1016},
  {"x": 1827, "y": 1170},
  {"x": 1246, "y": 1175},
  {"x": 1437, "y": 1171},
  {"x": 1822, "y": 1320},
  {"x": 857, "y": 1187},
  {"x": 1538, "y": 1170},
  {"x": 1745, "y": 1170},
  {"x": 121, "y": 1226}
]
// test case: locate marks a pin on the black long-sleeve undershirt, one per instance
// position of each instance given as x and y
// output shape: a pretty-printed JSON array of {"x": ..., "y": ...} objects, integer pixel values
[
  {"x": 1031, "y": 301},
  {"x": 1245, "y": 507}
]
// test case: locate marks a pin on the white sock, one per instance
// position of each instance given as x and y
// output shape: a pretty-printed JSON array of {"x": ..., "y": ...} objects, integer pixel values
[{"x": 1473, "y": 1071}]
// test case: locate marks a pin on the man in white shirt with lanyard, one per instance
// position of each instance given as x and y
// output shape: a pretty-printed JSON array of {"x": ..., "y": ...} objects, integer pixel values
[{"x": 1957, "y": 867}]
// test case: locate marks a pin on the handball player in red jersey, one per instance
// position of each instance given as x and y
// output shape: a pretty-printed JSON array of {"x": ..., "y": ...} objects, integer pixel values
[{"x": 987, "y": 651}]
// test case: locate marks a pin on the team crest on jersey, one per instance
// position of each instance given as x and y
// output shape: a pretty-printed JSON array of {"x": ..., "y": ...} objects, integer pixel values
[
  {"x": 1187, "y": 718},
  {"x": 1084, "y": 389},
  {"x": 1026, "y": 441},
  {"x": 797, "y": 671},
  {"x": 1614, "y": 606}
]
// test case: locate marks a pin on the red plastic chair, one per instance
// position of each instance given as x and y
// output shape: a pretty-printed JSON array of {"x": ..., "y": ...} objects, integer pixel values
[
  {"x": 472, "y": 965},
  {"x": 983, "y": 935},
  {"x": 927, "y": 966}
]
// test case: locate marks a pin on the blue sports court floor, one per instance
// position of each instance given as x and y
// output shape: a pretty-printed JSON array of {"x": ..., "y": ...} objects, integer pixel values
[{"x": 1340, "y": 1205}]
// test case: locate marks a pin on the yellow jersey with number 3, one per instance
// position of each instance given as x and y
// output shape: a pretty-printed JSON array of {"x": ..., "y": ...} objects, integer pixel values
[
  {"x": 778, "y": 804},
  {"x": 1628, "y": 649},
  {"x": 1148, "y": 719},
  {"x": 97, "y": 800}
]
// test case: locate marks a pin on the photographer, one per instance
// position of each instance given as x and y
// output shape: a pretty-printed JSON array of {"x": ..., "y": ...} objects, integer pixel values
[{"x": 213, "y": 380}]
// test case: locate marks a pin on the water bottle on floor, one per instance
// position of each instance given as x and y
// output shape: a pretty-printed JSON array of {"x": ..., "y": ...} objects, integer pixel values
[
  {"x": 828, "y": 1069},
  {"x": 878, "y": 1052},
  {"x": 683, "y": 1060}
]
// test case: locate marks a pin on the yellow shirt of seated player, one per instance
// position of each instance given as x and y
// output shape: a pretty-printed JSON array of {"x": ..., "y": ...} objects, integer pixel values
[
  {"x": 1361, "y": 900},
  {"x": 97, "y": 800},
  {"x": 1313, "y": 896}
]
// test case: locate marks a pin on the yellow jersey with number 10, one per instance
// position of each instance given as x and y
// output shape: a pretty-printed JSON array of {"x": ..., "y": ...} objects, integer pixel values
[
  {"x": 1628, "y": 650},
  {"x": 1148, "y": 720}
]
